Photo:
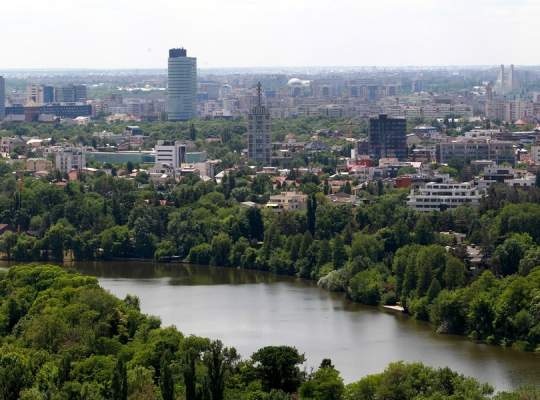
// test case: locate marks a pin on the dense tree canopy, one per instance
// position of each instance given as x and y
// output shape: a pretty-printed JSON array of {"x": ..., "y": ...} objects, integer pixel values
[{"x": 63, "y": 337}]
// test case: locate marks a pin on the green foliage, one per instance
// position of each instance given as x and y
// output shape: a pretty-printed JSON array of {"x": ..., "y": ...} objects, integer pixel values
[
  {"x": 416, "y": 382},
  {"x": 64, "y": 337},
  {"x": 278, "y": 368},
  {"x": 324, "y": 384}
]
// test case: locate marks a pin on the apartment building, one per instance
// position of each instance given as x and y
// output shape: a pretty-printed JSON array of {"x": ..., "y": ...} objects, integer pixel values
[
  {"x": 287, "y": 201},
  {"x": 465, "y": 150},
  {"x": 434, "y": 196}
]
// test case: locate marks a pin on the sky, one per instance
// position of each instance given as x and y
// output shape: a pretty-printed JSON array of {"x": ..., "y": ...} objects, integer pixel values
[{"x": 268, "y": 33}]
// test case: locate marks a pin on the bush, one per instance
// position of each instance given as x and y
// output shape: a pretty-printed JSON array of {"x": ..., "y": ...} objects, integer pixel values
[
  {"x": 366, "y": 287},
  {"x": 200, "y": 254}
]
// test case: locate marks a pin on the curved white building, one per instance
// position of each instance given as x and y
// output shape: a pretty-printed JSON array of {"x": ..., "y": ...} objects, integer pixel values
[{"x": 181, "y": 86}]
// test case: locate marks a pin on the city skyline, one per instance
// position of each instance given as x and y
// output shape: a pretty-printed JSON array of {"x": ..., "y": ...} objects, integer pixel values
[{"x": 245, "y": 34}]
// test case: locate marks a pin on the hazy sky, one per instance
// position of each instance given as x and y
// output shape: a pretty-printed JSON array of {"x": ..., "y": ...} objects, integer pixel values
[{"x": 247, "y": 33}]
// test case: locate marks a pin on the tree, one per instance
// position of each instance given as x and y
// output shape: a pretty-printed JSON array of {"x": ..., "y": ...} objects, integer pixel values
[
  {"x": 324, "y": 384},
  {"x": 119, "y": 387},
  {"x": 255, "y": 223},
  {"x": 434, "y": 290},
  {"x": 200, "y": 254},
  {"x": 278, "y": 368},
  {"x": 192, "y": 132},
  {"x": 454, "y": 273},
  {"x": 339, "y": 255},
  {"x": 189, "y": 371},
  {"x": 7, "y": 242},
  {"x": 423, "y": 231},
  {"x": 166, "y": 383},
  {"x": 221, "y": 248},
  {"x": 530, "y": 260},
  {"x": 448, "y": 312},
  {"x": 366, "y": 287},
  {"x": 15, "y": 374},
  {"x": 508, "y": 255},
  {"x": 219, "y": 361},
  {"x": 311, "y": 213}
]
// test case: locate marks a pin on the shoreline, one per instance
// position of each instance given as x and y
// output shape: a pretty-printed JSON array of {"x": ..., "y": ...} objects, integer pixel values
[{"x": 394, "y": 309}]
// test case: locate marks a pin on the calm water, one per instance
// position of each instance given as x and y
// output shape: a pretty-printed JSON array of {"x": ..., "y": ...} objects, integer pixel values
[{"x": 249, "y": 310}]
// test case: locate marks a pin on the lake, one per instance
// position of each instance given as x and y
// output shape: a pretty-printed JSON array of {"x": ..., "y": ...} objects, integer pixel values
[{"x": 250, "y": 309}]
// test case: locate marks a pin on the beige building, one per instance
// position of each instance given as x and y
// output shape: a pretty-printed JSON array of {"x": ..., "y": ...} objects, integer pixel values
[
  {"x": 38, "y": 164},
  {"x": 287, "y": 201}
]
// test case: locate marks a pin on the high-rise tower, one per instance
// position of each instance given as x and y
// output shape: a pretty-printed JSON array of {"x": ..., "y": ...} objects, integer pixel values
[
  {"x": 388, "y": 137},
  {"x": 507, "y": 81},
  {"x": 181, "y": 86},
  {"x": 259, "y": 145}
]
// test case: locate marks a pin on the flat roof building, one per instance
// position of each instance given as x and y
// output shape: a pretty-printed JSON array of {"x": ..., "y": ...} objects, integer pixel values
[
  {"x": 387, "y": 137},
  {"x": 181, "y": 86}
]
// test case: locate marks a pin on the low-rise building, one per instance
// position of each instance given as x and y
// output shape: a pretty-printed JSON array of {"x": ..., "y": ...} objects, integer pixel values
[
  {"x": 465, "y": 150},
  {"x": 38, "y": 164},
  {"x": 70, "y": 158},
  {"x": 434, "y": 196},
  {"x": 287, "y": 201}
]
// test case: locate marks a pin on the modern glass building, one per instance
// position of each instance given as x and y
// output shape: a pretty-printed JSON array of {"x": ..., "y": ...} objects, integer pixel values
[
  {"x": 181, "y": 86},
  {"x": 387, "y": 137}
]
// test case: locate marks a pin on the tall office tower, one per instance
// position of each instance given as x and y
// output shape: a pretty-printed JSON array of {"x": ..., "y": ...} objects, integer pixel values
[
  {"x": 507, "y": 81},
  {"x": 181, "y": 86},
  {"x": 388, "y": 137},
  {"x": 2, "y": 98},
  {"x": 259, "y": 145}
]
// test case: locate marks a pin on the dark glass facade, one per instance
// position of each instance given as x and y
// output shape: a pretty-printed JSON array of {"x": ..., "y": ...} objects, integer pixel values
[{"x": 388, "y": 137}]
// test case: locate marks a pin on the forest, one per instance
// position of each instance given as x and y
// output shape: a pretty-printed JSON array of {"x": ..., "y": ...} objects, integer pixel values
[
  {"x": 63, "y": 337},
  {"x": 381, "y": 253}
]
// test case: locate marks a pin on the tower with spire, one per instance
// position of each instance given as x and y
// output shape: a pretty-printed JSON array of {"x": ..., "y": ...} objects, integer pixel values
[{"x": 258, "y": 135}]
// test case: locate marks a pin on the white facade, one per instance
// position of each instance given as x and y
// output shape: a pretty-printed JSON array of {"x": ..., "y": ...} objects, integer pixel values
[
  {"x": 440, "y": 196},
  {"x": 172, "y": 154},
  {"x": 69, "y": 159},
  {"x": 182, "y": 86}
]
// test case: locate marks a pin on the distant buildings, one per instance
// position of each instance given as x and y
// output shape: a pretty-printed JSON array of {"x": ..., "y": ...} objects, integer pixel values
[
  {"x": 172, "y": 154},
  {"x": 287, "y": 201},
  {"x": 181, "y": 86},
  {"x": 32, "y": 113},
  {"x": 37, "y": 95},
  {"x": 388, "y": 137},
  {"x": 259, "y": 143},
  {"x": 464, "y": 150},
  {"x": 2, "y": 98},
  {"x": 434, "y": 196},
  {"x": 70, "y": 159},
  {"x": 71, "y": 94},
  {"x": 506, "y": 81}
]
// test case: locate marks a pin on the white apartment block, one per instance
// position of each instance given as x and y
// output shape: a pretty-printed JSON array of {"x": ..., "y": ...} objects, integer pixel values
[
  {"x": 170, "y": 153},
  {"x": 70, "y": 159},
  {"x": 441, "y": 196}
]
